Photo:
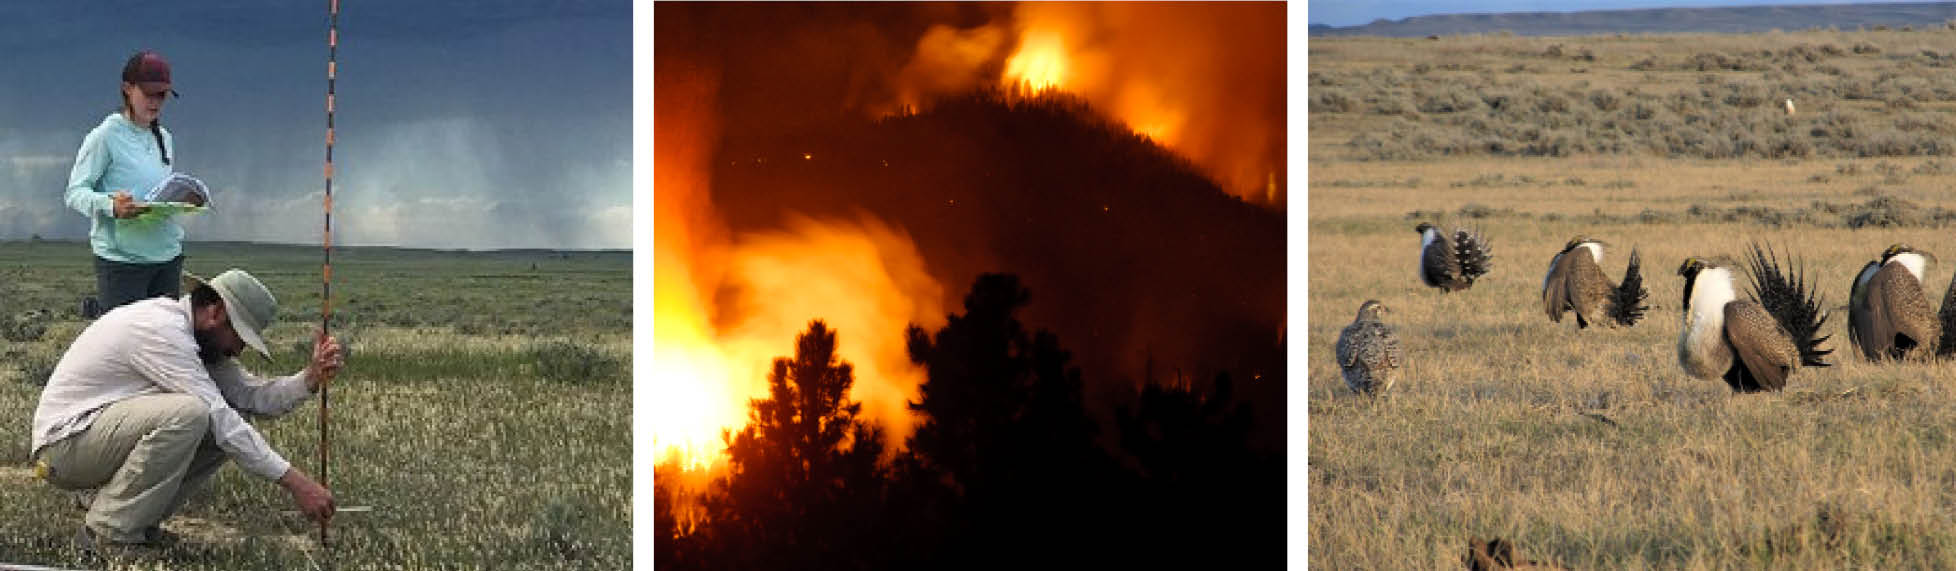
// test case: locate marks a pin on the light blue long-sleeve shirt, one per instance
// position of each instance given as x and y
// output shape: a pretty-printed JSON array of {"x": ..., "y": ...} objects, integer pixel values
[{"x": 119, "y": 155}]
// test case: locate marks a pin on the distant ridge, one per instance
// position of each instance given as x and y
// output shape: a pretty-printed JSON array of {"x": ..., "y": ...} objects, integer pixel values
[{"x": 1736, "y": 19}]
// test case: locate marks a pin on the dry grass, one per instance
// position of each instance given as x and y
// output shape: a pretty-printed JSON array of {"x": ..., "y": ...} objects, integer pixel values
[
  {"x": 1875, "y": 93},
  {"x": 1592, "y": 448}
]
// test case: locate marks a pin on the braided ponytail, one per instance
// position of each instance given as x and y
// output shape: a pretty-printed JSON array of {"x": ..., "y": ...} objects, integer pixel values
[{"x": 156, "y": 128}]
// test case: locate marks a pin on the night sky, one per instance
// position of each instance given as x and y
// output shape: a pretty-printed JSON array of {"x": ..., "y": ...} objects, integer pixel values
[
  {"x": 461, "y": 124},
  {"x": 1142, "y": 264}
]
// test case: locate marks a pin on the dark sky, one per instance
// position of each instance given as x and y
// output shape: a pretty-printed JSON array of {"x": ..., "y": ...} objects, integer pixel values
[
  {"x": 1136, "y": 257},
  {"x": 497, "y": 124}
]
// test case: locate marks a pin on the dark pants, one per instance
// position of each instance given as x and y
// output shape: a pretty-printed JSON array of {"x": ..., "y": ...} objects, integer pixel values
[{"x": 119, "y": 283}]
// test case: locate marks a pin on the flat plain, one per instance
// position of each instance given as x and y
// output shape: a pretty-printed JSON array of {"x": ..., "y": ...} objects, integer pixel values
[
  {"x": 1592, "y": 448},
  {"x": 484, "y": 413}
]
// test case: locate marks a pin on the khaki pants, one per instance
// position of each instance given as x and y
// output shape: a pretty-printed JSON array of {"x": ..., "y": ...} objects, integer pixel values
[{"x": 146, "y": 454}]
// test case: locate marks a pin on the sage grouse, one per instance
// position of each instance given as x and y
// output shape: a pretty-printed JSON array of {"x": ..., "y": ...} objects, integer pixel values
[
  {"x": 1753, "y": 344},
  {"x": 1368, "y": 351},
  {"x": 1451, "y": 263},
  {"x": 1575, "y": 283},
  {"x": 1888, "y": 315}
]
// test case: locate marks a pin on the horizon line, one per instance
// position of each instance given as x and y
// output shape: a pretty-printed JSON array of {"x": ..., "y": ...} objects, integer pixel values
[{"x": 339, "y": 246}]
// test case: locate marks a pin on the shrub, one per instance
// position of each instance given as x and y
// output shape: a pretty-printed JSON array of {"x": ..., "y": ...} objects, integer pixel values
[
  {"x": 562, "y": 530},
  {"x": 1333, "y": 102},
  {"x": 1603, "y": 100},
  {"x": 575, "y": 363},
  {"x": 36, "y": 368},
  {"x": 24, "y": 327}
]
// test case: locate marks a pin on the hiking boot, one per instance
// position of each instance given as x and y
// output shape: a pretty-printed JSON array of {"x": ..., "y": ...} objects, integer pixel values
[
  {"x": 94, "y": 547},
  {"x": 158, "y": 537}
]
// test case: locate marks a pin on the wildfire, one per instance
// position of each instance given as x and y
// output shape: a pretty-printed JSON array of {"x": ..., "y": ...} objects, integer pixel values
[
  {"x": 1040, "y": 63},
  {"x": 692, "y": 407},
  {"x": 689, "y": 405},
  {"x": 1206, "y": 81},
  {"x": 864, "y": 278},
  {"x": 724, "y": 308}
]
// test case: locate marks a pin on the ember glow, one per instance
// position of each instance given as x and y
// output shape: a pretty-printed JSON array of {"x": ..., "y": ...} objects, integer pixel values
[
  {"x": 726, "y": 306},
  {"x": 1040, "y": 63},
  {"x": 1205, "y": 81},
  {"x": 690, "y": 406},
  {"x": 863, "y": 278}
]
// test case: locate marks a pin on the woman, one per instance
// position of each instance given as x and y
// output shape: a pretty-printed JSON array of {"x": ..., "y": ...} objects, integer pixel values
[{"x": 129, "y": 152}]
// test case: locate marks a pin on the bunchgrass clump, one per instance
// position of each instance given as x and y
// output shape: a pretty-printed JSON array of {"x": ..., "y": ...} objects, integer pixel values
[{"x": 564, "y": 361}]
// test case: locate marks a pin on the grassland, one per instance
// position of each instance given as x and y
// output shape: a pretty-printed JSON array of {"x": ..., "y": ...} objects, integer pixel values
[
  {"x": 1592, "y": 448},
  {"x": 484, "y": 411}
]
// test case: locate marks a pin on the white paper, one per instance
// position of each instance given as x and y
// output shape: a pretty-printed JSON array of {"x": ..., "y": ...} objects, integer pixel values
[{"x": 179, "y": 188}]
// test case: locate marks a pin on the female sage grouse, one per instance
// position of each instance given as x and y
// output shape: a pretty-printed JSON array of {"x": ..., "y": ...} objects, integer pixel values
[
  {"x": 1754, "y": 344},
  {"x": 1575, "y": 282},
  {"x": 1368, "y": 351},
  {"x": 1451, "y": 263}
]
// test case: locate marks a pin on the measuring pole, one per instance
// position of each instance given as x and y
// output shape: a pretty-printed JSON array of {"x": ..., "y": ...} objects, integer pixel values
[{"x": 326, "y": 268}]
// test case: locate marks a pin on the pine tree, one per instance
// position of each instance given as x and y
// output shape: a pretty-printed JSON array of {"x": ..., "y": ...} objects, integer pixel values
[{"x": 803, "y": 480}]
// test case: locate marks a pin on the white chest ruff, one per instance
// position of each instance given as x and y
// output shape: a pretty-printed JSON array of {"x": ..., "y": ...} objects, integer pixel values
[
  {"x": 1702, "y": 349},
  {"x": 1595, "y": 252},
  {"x": 1914, "y": 262},
  {"x": 1426, "y": 240}
]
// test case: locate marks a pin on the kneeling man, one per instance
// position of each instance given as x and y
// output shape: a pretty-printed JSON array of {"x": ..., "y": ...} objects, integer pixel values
[{"x": 144, "y": 407}]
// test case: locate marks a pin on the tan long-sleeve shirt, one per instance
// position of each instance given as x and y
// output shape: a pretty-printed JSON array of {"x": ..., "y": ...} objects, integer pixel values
[{"x": 147, "y": 347}]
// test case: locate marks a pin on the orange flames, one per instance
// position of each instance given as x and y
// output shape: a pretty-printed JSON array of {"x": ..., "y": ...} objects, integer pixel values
[
  {"x": 863, "y": 278},
  {"x": 724, "y": 308},
  {"x": 1040, "y": 63},
  {"x": 1204, "y": 80},
  {"x": 688, "y": 410}
]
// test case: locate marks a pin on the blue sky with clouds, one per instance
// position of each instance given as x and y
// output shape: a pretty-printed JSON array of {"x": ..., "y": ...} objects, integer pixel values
[
  {"x": 461, "y": 124},
  {"x": 1358, "y": 12}
]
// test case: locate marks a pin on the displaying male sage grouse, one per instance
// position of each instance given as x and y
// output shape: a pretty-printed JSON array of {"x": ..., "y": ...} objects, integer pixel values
[
  {"x": 1755, "y": 343},
  {"x": 1368, "y": 350},
  {"x": 1575, "y": 282},
  {"x": 1451, "y": 263},
  {"x": 1888, "y": 315}
]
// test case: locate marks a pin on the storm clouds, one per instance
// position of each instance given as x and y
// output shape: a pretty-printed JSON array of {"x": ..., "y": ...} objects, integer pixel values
[{"x": 460, "y": 124}]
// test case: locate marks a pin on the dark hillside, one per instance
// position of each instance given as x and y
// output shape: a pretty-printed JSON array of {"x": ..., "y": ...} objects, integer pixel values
[{"x": 1134, "y": 259}]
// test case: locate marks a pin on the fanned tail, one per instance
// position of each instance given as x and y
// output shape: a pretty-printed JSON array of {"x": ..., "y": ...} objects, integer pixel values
[
  {"x": 1791, "y": 303},
  {"x": 1472, "y": 251},
  {"x": 1627, "y": 300}
]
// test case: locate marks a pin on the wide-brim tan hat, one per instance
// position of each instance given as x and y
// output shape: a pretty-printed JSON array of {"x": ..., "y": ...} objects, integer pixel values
[{"x": 249, "y": 304}]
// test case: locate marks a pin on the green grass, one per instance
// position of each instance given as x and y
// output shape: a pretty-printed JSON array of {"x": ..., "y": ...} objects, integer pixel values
[{"x": 484, "y": 412}]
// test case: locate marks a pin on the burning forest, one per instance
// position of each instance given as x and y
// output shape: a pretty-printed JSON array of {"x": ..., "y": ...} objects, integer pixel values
[{"x": 956, "y": 284}]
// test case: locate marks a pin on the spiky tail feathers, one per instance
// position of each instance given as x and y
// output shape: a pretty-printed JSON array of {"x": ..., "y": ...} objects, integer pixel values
[
  {"x": 1946, "y": 345},
  {"x": 1471, "y": 249},
  {"x": 1627, "y": 300},
  {"x": 1791, "y": 303}
]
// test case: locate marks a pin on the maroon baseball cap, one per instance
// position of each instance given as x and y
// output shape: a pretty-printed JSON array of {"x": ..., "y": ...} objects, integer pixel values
[{"x": 149, "y": 71}]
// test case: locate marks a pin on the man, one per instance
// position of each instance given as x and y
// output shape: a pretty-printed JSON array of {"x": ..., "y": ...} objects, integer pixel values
[{"x": 144, "y": 408}]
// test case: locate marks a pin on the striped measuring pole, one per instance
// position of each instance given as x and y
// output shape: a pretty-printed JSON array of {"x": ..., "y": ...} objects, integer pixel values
[{"x": 326, "y": 237}]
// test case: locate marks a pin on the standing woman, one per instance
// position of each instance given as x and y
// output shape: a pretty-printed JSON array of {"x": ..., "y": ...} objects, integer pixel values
[{"x": 129, "y": 152}]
